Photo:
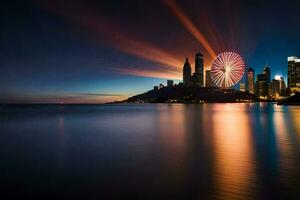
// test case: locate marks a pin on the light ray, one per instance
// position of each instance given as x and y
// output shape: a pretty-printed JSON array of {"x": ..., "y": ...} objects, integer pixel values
[
  {"x": 103, "y": 31},
  {"x": 190, "y": 26},
  {"x": 176, "y": 75}
]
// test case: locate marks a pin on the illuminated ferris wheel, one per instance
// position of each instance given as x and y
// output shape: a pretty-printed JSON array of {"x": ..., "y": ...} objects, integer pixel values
[{"x": 227, "y": 69}]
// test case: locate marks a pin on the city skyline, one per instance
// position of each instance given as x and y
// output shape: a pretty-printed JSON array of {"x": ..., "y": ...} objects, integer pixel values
[
  {"x": 95, "y": 52},
  {"x": 227, "y": 72}
]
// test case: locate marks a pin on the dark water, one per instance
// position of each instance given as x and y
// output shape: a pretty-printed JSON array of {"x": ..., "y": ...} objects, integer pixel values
[{"x": 176, "y": 151}]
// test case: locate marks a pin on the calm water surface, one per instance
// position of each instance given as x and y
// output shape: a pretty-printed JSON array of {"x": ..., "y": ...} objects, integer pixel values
[{"x": 170, "y": 151}]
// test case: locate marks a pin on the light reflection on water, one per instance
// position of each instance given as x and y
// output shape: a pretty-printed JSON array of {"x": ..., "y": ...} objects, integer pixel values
[
  {"x": 234, "y": 160},
  {"x": 207, "y": 151},
  {"x": 287, "y": 149}
]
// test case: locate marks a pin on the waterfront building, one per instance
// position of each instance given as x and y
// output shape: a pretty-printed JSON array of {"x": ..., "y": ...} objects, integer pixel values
[
  {"x": 282, "y": 87},
  {"x": 293, "y": 73},
  {"x": 242, "y": 87},
  {"x": 199, "y": 70},
  {"x": 208, "y": 80},
  {"x": 262, "y": 86},
  {"x": 250, "y": 80},
  {"x": 276, "y": 88},
  {"x": 187, "y": 71},
  {"x": 197, "y": 78},
  {"x": 267, "y": 73}
]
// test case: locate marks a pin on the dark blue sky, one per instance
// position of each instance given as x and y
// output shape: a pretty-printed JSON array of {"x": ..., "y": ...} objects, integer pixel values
[{"x": 97, "y": 51}]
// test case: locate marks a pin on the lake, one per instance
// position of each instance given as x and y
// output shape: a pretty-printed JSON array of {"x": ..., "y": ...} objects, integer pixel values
[{"x": 150, "y": 151}]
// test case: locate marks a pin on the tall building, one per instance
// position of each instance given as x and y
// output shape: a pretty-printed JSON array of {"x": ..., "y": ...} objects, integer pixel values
[
  {"x": 250, "y": 80},
  {"x": 293, "y": 72},
  {"x": 242, "y": 87},
  {"x": 278, "y": 87},
  {"x": 199, "y": 70},
  {"x": 187, "y": 70},
  {"x": 170, "y": 83},
  {"x": 262, "y": 86},
  {"x": 282, "y": 87},
  {"x": 197, "y": 78},
  {"x": 267, "y": 73},
  {"x": 208, "y": 80}
]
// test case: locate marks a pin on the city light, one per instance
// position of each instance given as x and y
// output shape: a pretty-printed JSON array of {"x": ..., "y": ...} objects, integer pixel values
[{"x": 278, "y": 77}]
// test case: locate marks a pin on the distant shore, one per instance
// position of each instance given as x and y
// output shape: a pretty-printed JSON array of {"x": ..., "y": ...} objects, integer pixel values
[{"x": 183, "y": 94}]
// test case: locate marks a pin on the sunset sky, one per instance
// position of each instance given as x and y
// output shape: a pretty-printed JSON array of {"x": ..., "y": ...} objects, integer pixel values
[{"x": 97, "y": 51}]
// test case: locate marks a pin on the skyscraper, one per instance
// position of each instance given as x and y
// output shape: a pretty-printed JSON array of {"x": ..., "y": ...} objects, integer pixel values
[
  {"x": 293, "y": 72},
  {"x": 208, "y": 81},
  {"x": 267, "y": 72},
  {"x": 199, "y": 70},
  {"x": 242, "y": 87},
  {"x": 262, "y": 89},
  {"x": 283, "y": 91},
  {"x": 197, "y": 78},
  {"x": 250, "y": 80},
  {"x": 278, "y": 87},
  {"x": 187, "y": 70}
]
